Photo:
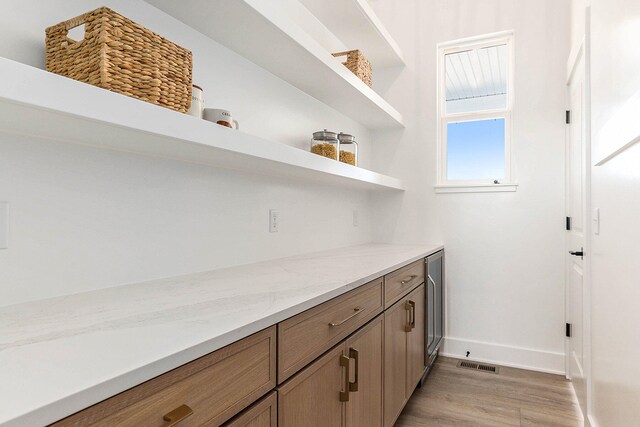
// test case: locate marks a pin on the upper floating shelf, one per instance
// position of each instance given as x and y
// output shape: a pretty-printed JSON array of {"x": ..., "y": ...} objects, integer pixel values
[
  {"x": 45, "y": 105},
  {"x": 271, "y": 39},
  {"x": 355, "y": 23}
]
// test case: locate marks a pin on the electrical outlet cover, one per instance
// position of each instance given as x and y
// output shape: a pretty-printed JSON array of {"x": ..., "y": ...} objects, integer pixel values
[{"x": 274, "y": 220}]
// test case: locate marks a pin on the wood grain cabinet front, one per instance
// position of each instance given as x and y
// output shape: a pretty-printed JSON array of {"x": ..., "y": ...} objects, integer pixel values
[
  {"x": 404, "y": 361},
  {"x": 343, "y": 388},
  {"x": 415, "y": 340},
  {"x": 210, "y": 390},
  {"x": 312, "y": 398},
  {"x": 365, "y": 348},
  {"x": 263, "y": 413},
  {"x": 398, "y": 283},
  {"x": 304, "y": 337}
]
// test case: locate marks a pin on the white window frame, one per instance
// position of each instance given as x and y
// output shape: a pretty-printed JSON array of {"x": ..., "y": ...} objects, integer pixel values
[{"x": 507, "y": 183}]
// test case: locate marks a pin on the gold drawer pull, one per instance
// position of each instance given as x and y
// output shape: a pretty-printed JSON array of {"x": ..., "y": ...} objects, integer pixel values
[
  {"x": 408, "y": 279},
  {"x": 410, "y": 306},
  {"x": 344, "y": 394},
  {"x": 355, "y": 355},
  {"x": 177, "y": 415},
  {"x": 356, "y": 311}
]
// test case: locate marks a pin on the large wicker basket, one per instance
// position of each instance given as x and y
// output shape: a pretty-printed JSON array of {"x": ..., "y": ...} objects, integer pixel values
[
  {"x": 358, "y": 64},
  {"x": 119, "y": 55}
]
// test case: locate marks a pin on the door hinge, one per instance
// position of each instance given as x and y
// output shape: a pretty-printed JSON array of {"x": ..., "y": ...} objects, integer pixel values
[
  {"x": 567, "y": 330},
  {"x": 567, "y": 225},
  {"x": 567, "y": 117}
]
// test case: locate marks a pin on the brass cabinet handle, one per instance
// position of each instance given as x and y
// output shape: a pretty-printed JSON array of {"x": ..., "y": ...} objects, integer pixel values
[
  {"x": 408, "y": 279},
  {"x": 355, "y": 355},
  {"x": 177, "y": 415},
  {"x": 344, "y": 394},
  {"x": 413, "y": 314},
  {"x": 407, "y": 306},
  {"x": 410, "y": 306},
  {"x": 356, "y": 311}
]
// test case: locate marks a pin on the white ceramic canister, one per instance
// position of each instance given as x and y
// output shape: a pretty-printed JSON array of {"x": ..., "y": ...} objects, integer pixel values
[
  {"x": 221, "y": 117},
  {"x": 197, "y": 102}
]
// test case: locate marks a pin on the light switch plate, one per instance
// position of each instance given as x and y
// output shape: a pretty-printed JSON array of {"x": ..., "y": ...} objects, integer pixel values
[
  {"x": 355, "y": 218},
  {"x": 4, "y": 225},
  {"x": 274, "y": 221},
  {"x": 596, "y": 221}
]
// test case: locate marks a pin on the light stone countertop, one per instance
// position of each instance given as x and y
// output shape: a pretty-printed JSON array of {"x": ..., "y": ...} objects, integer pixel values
[{"x": 63, "y": 354}]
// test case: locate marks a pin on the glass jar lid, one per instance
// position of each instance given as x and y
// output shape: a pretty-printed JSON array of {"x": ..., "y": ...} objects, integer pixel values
[
  {"x": 325, "y": 135},
  {"x": 345, "y": 138}
]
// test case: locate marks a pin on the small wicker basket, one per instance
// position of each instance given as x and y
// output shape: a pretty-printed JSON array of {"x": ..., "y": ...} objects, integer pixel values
[
  {"x": 358, "y": 64},
  {"x": 119, "y": 55}
]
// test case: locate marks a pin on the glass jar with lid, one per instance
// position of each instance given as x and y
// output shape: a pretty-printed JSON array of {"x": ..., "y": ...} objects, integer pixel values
[
  {"x": 348, "y": 148},
  {"x": 325, "y": 143}
]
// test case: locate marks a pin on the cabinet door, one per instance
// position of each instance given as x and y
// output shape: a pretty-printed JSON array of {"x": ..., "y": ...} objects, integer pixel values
[
  {"x": 396, "y": 320},
  {"x": 364, "y": 408},
  {"x": 260, "y": 414},
  {"x": 415, "y": 339},
  {"x": 314, "y": 396}
]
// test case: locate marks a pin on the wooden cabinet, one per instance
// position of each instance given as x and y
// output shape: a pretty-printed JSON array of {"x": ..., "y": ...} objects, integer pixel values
[
  {"x": 347, "y": 363},
  {"x": 342, "y": 388},
  {"x": 304, "y": 337},
  {"x": 396, "y": 319},
  {"x": 415, "y": 339},
  {"x": 398, "y": 283},
  {"x": 364, "y": 408},
  {"x": 263, "y": 413},
  {"x": 403, "y": 352},
  {"x": 209, "y": 390},
  {"x": 314, "y": 397}
]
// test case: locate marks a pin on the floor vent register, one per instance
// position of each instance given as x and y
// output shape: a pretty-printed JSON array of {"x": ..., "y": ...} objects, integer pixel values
[{"x": 478, "y": 367}]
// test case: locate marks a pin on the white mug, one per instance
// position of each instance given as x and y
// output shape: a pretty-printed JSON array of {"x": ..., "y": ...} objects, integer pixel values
[
  {"x": 197, "y": 102},
  {"x": 221, "y": 117}
]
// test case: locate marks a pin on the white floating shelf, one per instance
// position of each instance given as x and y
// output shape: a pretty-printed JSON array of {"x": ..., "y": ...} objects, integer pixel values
[
  {"x": 271, "y": 39},
  {"x": 45, "y": 105},
  {"x": 355, "y": 23}
]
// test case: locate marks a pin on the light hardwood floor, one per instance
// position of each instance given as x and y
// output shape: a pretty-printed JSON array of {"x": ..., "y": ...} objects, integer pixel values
[{"x": 453, "y": 396}]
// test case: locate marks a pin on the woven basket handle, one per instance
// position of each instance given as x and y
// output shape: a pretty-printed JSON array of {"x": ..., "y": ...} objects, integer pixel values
[
  {"x": 70, "y": 25},
  {"x": 74, "y": 22},
  {"x": 337, "y": 54}
]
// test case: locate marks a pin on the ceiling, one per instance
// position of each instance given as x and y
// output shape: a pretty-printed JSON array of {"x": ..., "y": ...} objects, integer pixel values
[{"x": 476, "y": 73}]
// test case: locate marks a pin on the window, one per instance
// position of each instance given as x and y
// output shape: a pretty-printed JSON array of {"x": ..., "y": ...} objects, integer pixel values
[{"x": 475, "y": 97}]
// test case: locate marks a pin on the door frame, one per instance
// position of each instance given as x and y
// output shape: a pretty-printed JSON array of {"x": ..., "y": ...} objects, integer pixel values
[{"x": 581, "y": 52}]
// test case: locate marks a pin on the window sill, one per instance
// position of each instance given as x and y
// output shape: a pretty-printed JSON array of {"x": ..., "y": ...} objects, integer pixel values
[{"x": 475, "y": 188}]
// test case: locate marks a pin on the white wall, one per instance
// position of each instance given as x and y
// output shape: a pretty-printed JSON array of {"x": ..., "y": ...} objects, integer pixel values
[
  {"x": 505, "y": 291},
  {"x": 578, "y": 20},
  {"x": 615, "y": 318},
  {"x": 82, "y": 218}
]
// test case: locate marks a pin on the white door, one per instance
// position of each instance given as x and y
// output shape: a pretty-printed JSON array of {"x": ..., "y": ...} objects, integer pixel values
[{"x": 575, "y": 237}]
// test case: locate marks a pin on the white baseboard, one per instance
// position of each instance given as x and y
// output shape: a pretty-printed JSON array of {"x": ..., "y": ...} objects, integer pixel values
[{"x": 505, "y": 355}]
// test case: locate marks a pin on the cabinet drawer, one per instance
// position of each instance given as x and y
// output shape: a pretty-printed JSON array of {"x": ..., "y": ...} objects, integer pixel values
[
  {"x": 400, "y": 282},
  {"x": 261, "y": 414},
  {"x": 306, "y": 336},
  {"x": 214, "y": 387}
]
